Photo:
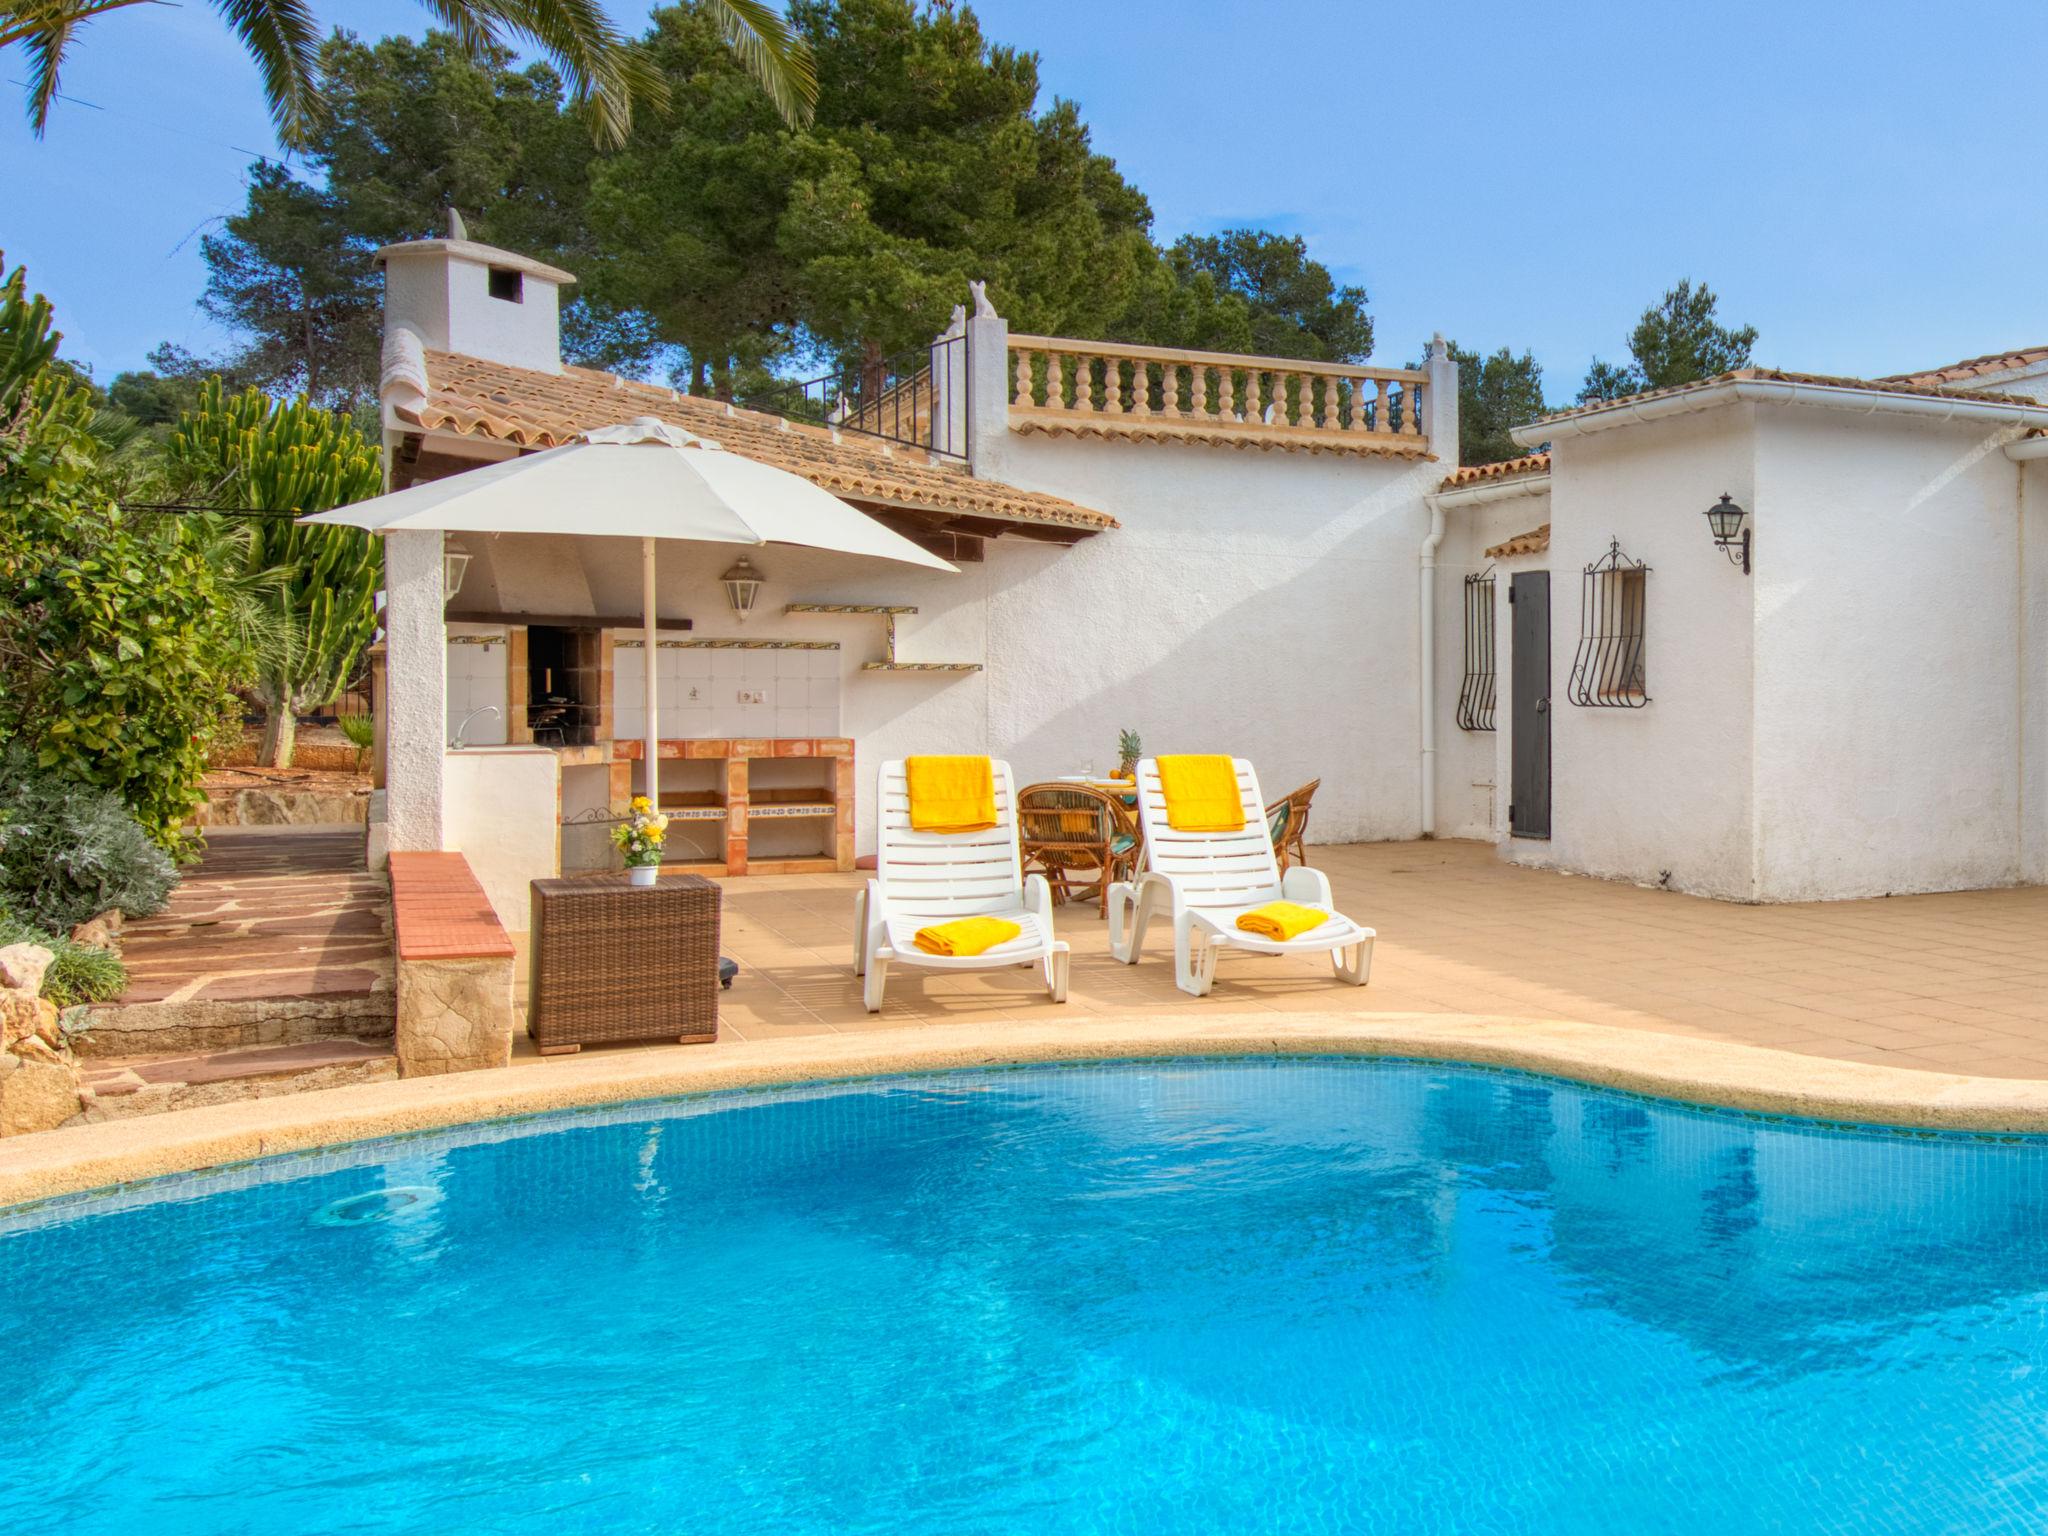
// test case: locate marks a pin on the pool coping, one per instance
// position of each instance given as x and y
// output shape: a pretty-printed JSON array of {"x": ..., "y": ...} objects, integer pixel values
[{"x": 1682, "y": 1068}]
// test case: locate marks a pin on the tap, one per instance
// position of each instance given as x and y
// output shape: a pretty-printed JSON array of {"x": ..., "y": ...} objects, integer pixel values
[{"x": 457, "y": 744}]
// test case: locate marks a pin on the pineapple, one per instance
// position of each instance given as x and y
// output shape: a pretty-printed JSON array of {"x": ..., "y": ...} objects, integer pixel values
[{"x": 1129, "y": 750}]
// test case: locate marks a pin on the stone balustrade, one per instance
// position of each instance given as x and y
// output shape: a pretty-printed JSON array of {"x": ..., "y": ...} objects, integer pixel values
[{"x": 1111, "y": 389}]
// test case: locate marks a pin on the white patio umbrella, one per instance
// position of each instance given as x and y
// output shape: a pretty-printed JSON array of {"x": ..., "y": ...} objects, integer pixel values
[{"x": 646, "y": 480}]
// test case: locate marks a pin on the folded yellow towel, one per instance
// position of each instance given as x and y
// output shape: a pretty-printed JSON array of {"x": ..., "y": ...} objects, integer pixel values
[
  {"x": 1282, "y": 920},
  {"x": 1201, "y": 794},
  {"x": 951, "y": 794},
  {"x": 966, "y": 935}
]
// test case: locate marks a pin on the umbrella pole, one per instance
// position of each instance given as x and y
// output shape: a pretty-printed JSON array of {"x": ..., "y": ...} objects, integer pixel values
[{"x": 653, "y": 744}]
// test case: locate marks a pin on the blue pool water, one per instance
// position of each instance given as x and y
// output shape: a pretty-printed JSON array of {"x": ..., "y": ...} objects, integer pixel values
[{"x": 1185, "y": 1297}]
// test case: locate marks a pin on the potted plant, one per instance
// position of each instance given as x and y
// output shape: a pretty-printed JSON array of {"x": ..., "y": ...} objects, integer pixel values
[
  {"x": 1129, "y": 750},
  {"x": 639, "y": 837}
]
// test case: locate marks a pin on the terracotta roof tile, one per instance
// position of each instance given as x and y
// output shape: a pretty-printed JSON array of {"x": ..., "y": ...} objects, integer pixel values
[
  {"x": 471, "y": 396},
  {"x": 1970, "y": 368},
  {"x": 1534, "y": 542},
  {"x": 1506, "y": 469},
  {"x": 1780, "y": 376}
]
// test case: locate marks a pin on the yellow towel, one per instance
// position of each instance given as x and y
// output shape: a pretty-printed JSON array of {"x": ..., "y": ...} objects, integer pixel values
[
  {"x": 1282, "y": 920},
  {"x": 966, "y": 935},
  {"x": 951, "y": 794},
  {"x": 1201, "y": 794}
]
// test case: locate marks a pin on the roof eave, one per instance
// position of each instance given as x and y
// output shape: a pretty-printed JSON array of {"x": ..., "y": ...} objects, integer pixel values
[{"x": 1711, "y": 395}]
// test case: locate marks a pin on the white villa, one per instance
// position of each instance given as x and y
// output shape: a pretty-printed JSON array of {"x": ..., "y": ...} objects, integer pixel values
[{"x": 1845, "y": 696}]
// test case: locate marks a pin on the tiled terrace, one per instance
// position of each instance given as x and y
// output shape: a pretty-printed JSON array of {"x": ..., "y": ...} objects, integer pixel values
[{"x": 1954, "y": 982}]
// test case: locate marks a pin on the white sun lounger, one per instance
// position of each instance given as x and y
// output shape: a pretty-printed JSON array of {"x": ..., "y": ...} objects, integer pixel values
[
  {"x": 923, "y": 878},
  {"x": 1207, "y": 880}
]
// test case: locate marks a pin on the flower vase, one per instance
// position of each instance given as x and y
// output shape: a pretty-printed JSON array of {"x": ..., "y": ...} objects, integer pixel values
[{"x": 642, "y": 874}]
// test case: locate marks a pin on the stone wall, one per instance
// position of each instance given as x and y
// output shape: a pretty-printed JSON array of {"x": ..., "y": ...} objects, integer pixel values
[{"x": 454, "y": 968}]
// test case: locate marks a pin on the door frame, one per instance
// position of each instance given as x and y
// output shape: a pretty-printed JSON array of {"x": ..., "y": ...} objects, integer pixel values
[{"x": 1527, "y": 591}]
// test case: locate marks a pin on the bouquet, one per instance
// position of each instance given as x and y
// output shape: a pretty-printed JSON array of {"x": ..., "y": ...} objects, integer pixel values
[{"x": 640, "y": 836}]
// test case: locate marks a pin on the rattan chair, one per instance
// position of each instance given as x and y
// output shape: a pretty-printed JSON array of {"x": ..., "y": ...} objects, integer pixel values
[
  {"x": 1081, "y": 838},
  {"x": 1287, "y": 820}
]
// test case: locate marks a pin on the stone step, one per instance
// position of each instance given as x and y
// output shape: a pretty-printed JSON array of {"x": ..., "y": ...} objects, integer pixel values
[
  {"x": 266, "y": 1018},
  {"x": 142, "y": 1085}
]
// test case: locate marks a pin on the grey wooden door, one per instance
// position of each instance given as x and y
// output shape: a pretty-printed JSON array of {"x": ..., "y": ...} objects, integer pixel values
[{"x": 1529, "y": 708}]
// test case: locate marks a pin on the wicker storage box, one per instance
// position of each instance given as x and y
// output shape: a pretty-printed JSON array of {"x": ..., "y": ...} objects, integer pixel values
[{"x": 611, "y": 961}]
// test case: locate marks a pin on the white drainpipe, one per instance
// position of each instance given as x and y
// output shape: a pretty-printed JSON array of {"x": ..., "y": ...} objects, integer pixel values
[{"x": 1427, "y": 689}]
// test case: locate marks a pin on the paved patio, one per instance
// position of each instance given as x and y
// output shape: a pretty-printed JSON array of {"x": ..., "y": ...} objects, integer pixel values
[{"x": 1955, "y": 982}]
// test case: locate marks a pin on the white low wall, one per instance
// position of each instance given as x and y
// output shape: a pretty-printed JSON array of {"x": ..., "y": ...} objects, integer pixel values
[{"x": 501, "y": 809}]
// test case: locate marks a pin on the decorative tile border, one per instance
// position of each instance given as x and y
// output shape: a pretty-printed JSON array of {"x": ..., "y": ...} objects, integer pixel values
[
  {"x": 728, "y": 645},
  {"x": 1711, "y": 1077}
]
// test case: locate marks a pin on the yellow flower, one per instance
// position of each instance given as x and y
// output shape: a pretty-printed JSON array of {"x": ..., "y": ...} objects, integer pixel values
[
  {"x": 641, "y": 803},
  {"x": 658, "y": 824}
]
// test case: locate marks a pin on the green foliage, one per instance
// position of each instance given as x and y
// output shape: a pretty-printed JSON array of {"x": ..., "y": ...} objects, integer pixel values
[
  {"x": 606, "y": 74},
  {"x": 248, "y": 452},
  {"x": 69, "y": 852},
  {"x": 1293, "y": 306},
  {"x": 929, "y": 162},
  {"x": 78, "y": 973},
  {"x": 1679, "y": 340},
  {"x": 724, "y": 244},
  {"x": 361, "y": 732},
  {"x": 293, "y": 275},
  {"x": 153, "y": 399},
  {"x": 117, "y": 644},
  {"x": 1495, "y": 392}
]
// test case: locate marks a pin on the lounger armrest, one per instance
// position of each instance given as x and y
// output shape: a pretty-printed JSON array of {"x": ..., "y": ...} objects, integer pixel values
[
  {"x": 1306, "y": 885},
  {"x": 1038, "y": 899}
]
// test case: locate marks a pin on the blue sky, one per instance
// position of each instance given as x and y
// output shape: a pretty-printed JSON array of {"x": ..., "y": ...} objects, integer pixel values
[{"x": 1857, "y": 181}]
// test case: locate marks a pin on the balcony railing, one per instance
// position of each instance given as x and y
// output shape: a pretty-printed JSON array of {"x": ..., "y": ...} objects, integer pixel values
[
  {"x": 1115, "y": 389},
  {"x": 918, "y": 399}
]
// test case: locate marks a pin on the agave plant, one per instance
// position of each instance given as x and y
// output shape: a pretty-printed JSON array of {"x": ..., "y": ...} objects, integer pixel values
[{"x": 603, "y": 69}]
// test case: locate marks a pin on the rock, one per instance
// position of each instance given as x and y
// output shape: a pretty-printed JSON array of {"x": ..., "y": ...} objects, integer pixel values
[
  {"x": 24, "y": 1016},
  {"x": 102, "y": 932},
  {"x": 22, "y": 967},
  {"x": 36, "y": 1095}
]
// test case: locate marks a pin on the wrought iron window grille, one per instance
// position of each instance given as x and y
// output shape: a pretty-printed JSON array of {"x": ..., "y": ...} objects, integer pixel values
[
  {"x": 919, "y": 399},
  {"x": 1608, "y": 670},
  {"x": 1476, "y": 691}
]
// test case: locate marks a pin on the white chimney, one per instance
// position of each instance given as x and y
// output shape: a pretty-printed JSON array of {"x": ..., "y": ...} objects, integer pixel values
[{"x": 457, "y": 295}]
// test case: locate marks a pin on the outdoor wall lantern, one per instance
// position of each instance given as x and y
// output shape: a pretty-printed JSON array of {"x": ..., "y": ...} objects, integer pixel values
[
  {"x": 1726, "y": 518},
  {"x": 454, "y": 566},
  {"x": 742, "y": 586}
]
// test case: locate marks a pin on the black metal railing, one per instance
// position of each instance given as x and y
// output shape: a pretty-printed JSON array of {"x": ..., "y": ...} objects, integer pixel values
[
  {"x": 919, "y": 399},
  {"x": 1476, "y": 691},
  {"x": 1609, "y": 672}
]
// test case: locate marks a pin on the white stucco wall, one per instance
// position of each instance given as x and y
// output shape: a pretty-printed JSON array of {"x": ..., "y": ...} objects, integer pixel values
[
  {"x": 2032, "y": 516},
  {"x": 1637, "y": 793},
  {"x": 502, "y": 811},
  {"x": 417, "y": 662},
  {"x": 445, "y": 300},
  {"x": 1891, "y": 587}
]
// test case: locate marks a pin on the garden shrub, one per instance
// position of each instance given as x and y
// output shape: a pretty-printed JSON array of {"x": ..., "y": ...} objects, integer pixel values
[
  {"x": 69, "y": 852},
  {"x": 78, "y": 973},
  {"x": 119, "y": 643}
]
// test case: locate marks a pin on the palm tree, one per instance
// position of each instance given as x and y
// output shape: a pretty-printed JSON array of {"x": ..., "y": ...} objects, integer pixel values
[{"x": 602, "y": 68}]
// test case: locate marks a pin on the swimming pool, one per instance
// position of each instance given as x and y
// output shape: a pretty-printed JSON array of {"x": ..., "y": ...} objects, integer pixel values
[{"x": 1310, "y": 1296}]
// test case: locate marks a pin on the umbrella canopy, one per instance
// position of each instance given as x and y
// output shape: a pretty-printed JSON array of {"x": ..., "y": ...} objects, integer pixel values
[{"x": 644, "y": 480}]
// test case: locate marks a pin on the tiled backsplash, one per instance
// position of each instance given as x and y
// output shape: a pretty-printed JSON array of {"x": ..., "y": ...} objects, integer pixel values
[
  {"x": 476, "y": 678},
  {"x": 713, "y": 688}
]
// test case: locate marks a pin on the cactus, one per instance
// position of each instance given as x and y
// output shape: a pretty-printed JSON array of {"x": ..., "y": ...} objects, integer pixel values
[{"x": 247, "y": 451}]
